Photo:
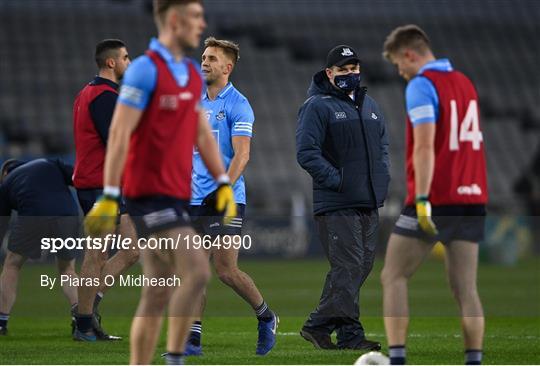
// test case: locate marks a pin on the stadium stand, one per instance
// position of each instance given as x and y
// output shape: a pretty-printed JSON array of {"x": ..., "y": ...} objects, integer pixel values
[{"x": 46, "y": 49}]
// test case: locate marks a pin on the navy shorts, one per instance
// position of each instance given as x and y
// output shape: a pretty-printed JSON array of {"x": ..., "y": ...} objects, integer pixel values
[
  {"x": 27, "y": 232},
  {"x": 87, "y": 198},
  {"x": 459, "y": 222},
  {"x": 157, "y": 213},
  {"x": 206, "y": 223}
]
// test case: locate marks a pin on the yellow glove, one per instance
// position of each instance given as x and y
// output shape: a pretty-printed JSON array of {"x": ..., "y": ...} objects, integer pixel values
[
  {"x": 102, "y": 217},
  {"x": 225, "y": 202},
  {"x": 423, "y": 212}
]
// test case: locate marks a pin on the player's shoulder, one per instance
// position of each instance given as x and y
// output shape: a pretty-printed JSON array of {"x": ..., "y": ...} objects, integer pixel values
[
  {"x": 417, "y": 81},
  {"x": 142, "y": 66},
  {"x": 143, "y": 60},
  {"x": 369, "y": 99},
  {"x": 139, "y": 79},
  {"x": 237, "y": 96},
  {"x": 371, "y": 104},
  {"x": 317, "y": 100},
  {"x": 235, "y": 99},
  {"x": 419, "y": 85}
]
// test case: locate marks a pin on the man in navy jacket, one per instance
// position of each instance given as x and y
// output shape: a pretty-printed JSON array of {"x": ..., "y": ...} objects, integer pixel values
[
  {"x": 39, "y": 191},
  {"x": 341, "y": 141}
]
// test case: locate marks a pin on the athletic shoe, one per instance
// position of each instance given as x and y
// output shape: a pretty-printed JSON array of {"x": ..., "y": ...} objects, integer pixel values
[
  {"x": 267, "y": 335},
  {"x": 364, "y": 345},
  {"x": 3, "y": 331},
  {"x": 319, "y": 340},
  {"x": 101, "y": 335},
  {"x": 84, "y": 337},
  {"x": 193, "y": 350},
  {"x": 176, "y": 361}
]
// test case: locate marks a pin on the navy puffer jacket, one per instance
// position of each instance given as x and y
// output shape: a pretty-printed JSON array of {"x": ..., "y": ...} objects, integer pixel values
[{"x": 343, "y": 145}]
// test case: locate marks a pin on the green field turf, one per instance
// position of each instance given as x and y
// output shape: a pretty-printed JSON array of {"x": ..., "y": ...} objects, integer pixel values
[{"x": 39, "y": 326}]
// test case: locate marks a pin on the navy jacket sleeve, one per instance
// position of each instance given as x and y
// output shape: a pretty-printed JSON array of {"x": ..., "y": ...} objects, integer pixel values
[
  {"x": 66, "y": 169},
  {"x": 101, "y": 110},
  {"x": 384, "y": 140},
  {"x": 5, "y": 212},
  {"x": 310, "y": 136}
]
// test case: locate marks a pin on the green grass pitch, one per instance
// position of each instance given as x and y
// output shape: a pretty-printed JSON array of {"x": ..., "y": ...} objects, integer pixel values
[{"x": 40, "y": 333}]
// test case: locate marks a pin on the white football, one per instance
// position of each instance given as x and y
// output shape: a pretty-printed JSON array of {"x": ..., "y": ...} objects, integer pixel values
[{"x": 373, "y": 358}]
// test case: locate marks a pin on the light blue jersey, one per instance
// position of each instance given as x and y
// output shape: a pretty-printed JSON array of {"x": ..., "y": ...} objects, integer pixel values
[
  {"x": 229, "y": 115},
  {"x": 421, "y": 97}
]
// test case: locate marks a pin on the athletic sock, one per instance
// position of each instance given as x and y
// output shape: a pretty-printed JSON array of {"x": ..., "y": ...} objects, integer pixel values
[
  {"x": 397, "y": 355},
  {"x": 263, "y": 312},
  {"x": 473, "y": 357},
  {"x": 172, "y": 358},
  {"x": 4, "y": 320},
  {"x": 84, "y": 322},
  {"x": 195, "y": 333},
  {"x": 97, "y": 299}
]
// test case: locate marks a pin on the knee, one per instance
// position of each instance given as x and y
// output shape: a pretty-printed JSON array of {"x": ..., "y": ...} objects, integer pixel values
[
  {"x": 391, "y": 277},
  {"x": 94, "y": 257},
  {"x": 464, "y": 292},
  {"x": 131, "y": 257},
  {"x": 198, "y": 277},
  {"x": 156, "y": 297},
  {"x": 13, "y": 261}
]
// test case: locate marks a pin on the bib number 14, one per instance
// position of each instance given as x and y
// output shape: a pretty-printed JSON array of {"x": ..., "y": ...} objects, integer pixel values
[{"x": 468, "y": 129}]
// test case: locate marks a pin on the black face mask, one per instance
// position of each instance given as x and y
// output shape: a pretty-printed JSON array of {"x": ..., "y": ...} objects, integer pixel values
[{"x": 347, "y": 82}]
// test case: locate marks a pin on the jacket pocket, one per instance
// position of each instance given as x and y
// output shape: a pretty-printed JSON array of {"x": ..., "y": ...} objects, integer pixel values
[
  {"x": 354, "y": 184},
  {"x": 380, "y": 185}
]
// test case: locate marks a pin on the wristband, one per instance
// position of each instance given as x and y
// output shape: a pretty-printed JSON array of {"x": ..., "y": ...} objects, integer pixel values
[
  {"x": 223, "y": 179},
  {"x": 111, "y": 191},
  {"x": 422, "y": 198}
]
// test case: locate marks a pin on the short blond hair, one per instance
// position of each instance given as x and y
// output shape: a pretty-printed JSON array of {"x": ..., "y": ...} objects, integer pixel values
[
  {"x": 231, "y": 49},
  {"x": 160, "y": 7},
  {"x": 409, "y": 36}
]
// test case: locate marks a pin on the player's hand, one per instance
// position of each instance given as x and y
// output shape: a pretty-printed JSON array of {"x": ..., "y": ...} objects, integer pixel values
[
  {"x": 225, "y": 203},
  {"x": 102, "y": 217},
  {"x": 423, "y": 212}
]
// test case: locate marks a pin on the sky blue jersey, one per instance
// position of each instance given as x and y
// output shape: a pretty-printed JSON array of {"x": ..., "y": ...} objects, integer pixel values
[
  {"x": 140, "y": 77},
  {"x": 229, "y": 115},
  {"x": 421, "y": 97}
]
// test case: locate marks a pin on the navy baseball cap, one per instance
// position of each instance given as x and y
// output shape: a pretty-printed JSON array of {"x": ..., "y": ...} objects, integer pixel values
[{"x": 342, "y": 55}]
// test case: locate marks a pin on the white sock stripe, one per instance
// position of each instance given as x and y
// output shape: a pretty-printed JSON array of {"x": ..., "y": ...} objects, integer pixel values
[
  {"x": 196, "y": 331},
  {"x": 262, "y": 310}
]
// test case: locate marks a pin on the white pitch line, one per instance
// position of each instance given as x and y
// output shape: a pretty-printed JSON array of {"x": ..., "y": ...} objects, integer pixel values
[{"x": 415, "y": 335}]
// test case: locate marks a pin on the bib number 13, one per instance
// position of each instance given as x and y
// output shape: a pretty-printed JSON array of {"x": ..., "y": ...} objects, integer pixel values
[{"x": 468, "y": 129}]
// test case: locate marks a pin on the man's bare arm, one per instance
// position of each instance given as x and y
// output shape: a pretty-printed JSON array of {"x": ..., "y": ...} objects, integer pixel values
[
  {"x": 241, "y": 146},
  {"x": 124, "y": 121},
  {"x": 424, "y": 157}
]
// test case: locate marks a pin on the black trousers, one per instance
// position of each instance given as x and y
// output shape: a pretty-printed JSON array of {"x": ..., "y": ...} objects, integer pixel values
[{"x": 348, "y": 237}]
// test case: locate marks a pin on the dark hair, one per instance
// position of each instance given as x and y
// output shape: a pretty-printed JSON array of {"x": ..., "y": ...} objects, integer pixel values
[
  {"x": 105, "y": 49},
  {"x": 410, "y": 35},
  {"x": 8, "y": 166},
  {"x": 161, "y": 7},
  {"x": 231, "y": 49}
]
